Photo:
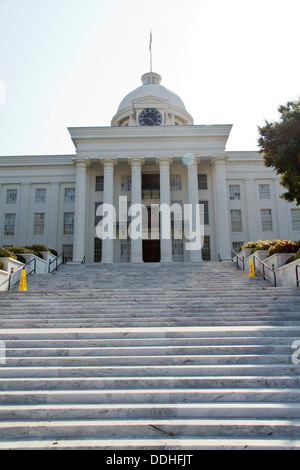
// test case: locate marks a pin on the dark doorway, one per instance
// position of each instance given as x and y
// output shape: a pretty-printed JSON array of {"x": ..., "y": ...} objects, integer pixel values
[{"x": 151, "y": 251}]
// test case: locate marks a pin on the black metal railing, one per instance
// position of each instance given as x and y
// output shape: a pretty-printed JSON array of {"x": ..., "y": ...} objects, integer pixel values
[
  {"x": 57, "y": 261},
  {"x": 236, "y": 258},
  {"x": 297, "y": 275},
  {"x": 264, "y": 266},
  {"x": 11, "y": 282}
]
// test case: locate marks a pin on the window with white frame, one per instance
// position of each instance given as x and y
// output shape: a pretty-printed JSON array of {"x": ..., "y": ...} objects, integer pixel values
[
  {"x": 266, "y": 220},
  {"x": 99, "y": 183},
  {"x": 98, "y": 218},
  {"x": 202, "y": 181},
  {"x": 264, "y": 191},
  {"x": 236, "y": 246},
  {"x": 234, "y": 192},
  {"x": 125, "y": 251},
  {"x": 236, "y": 220},
  {"x": 206, "y": 214},
  {"x": 206, "y": 248},
  {"x": 69, "y": 196},
  {"x": 126, "y": 183},
  {"x": 39, "y": 223},
  {"x": 40, "y": 196},
  {"x": 9, "y": 225},
  {"x": 11, "y": 196},
  {"x": 296, "y": 219},
  {"x": 68, "y": 223},
  {"x": 175, "y": 182},
  {"x": 67, "y": 253},
  {"x": 177, "y": 250}
]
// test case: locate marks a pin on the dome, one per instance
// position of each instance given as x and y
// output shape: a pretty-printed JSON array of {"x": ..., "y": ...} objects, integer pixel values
[
  {"x": 151, "y": 94},
  {"x": 151, "y": 87}
]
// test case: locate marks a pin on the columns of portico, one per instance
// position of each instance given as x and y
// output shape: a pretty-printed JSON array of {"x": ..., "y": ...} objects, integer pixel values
[
  {"x": 164, "y": 163},
  {"x": 222, "y": 211},
  {"x": 193, "y": 198},
  {"x": 136, "y": 198},
  {"x": 109, "y": 164},
  {"x": 80, "y": 209}
]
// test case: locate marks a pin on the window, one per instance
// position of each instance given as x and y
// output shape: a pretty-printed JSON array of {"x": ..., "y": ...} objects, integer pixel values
[
  {"x": 206, "y": 215},
  {"x": 126, "y": 183},
  {"x": 177, "y": 250},
  {"x": 234, "y": 192},
  {"x": 125, "y": 251},
  {"x": 40, "y": 196},
  {"x": 69, "y": 195},
  {"x": 68, "y": 253},
  {"x": 175, "y": 182},
  {"x": 236, "y": 246},
  {"x": 206, "y": 248},
  {"x": 97, "y": 217},
  {"x": 11, "y": 196},
  {"x": 68, "y": 223},
  {"x": 39, "y": 223},
  {"x": 99, "y": 183},
  {"x": 266, "y": 220},
  {"x": 97, "y": 250},
  {"x": 9, "y": 225},
  {"x": 296, "y": 220},
  {"x": 264, "y": 191},
  {"x": 236, "y": 221},
  {"x": 202, "y": 181}
]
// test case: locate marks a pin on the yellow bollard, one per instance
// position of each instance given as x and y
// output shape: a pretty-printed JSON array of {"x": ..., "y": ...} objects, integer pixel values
[
  {"x": 23, "y": 284},
  {"x": 251, "y": 270}
]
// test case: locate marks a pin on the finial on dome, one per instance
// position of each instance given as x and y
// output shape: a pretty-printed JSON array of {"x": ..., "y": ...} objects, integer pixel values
[{"x": 151, "y": 78}]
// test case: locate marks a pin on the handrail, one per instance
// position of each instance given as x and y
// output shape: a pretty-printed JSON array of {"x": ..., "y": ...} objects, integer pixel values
[
  {"x": 265, "y": 266},
  {"x": 238, "y": 258},
  {"x": 10, "y": 285},
  {"x": 297, "y": 275},
  {"x": 56, "y": 263}
]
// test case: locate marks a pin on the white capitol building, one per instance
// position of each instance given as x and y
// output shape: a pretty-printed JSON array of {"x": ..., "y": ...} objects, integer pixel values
[{"x": 52, "y": 199}]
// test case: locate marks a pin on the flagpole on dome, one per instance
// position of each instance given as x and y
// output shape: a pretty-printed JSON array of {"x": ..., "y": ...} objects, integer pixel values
[{"x": 150, "y": 49}]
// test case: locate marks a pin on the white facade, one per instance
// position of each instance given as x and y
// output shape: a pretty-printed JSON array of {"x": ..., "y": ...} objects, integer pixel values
[{"x": 52, "y": 200}]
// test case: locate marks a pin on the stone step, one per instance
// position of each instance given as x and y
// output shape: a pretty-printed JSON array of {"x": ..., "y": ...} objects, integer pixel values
[
  {"x": 151, "y": 428},
  {"x": 149, "y": 411},
  {"x": 215, "y": 370},
  {"x": 162, "y": 444},
  {"x": 231, "y": 382},
  {"x": 147, "y": 396},
  {"x": 131, "y": 350}
]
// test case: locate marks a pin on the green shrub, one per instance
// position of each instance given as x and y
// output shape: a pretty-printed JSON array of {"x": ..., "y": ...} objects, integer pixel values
[
  {"x": 260, "y": 245},
  {"x": 284, "y": 246},
  {"x": 6, "y": 253},
  {"x": 37, "y": 248},
  {"x": 21, "y": 259},
  {"x": 1, "y": 265},
  {"x": 54, "y": 252},
  {"x": 293, "y": 258}
]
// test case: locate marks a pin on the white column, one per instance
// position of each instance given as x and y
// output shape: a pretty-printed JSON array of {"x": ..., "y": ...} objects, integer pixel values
[
  {"x": 109, "y": 164},
  {"x": 222, "y": 210},
  {"x": 80, "y": 210},
  {"x": 165, "y": 198},
  {"x": 53, "y": 213},
  {"x": 23, "y": 238},
  {"x": 193, "y": 198},
  {"x": 136, "y": 198}
]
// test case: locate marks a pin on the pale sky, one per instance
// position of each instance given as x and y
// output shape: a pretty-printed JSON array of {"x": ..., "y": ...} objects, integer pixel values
[{"x": 67, "y": 63}]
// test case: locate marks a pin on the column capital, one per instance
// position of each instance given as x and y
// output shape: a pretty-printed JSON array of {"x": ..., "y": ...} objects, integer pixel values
[
  {"x": 164, "y": 160},
  {"x": 218, "y": 160},
  {"x": 81, "y": 162},
  {"x": 109, "y": 162},
  {"x": 136, "y": 160}
]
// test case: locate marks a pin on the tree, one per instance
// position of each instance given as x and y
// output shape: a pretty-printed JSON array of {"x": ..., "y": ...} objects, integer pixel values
[{"x": 280, "y": 145}]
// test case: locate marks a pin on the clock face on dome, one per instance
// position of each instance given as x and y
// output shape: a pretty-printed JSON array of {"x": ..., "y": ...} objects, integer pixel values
[{"x": 150, "y": 117}]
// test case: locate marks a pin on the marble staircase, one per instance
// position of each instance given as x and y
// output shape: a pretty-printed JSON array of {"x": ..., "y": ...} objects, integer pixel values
[{"x": 182, "y": 356}]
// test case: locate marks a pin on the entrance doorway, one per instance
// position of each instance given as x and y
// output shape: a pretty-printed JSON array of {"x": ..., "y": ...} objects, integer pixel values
[{"x": 151, "y": 251}]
